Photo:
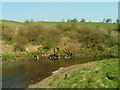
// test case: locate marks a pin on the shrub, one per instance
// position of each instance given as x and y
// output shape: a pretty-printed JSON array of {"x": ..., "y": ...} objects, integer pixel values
[
  {"x": 19, "y": 47},
  {"x": 32, "y": 32},
  {"x": 9, "y": 32},
  {"x": 52, "y": 36},
  {"x": 40, "y": 34},
  {"x": 92, "y": 37},
  {"x": 21, "y": 40},
  {"x": 64, "y": 28},
  {"x": 7, "y": 57}
]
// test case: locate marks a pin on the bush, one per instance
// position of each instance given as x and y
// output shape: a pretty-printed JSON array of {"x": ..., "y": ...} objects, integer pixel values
[
  {"x": 7, "y": 57},
  {"x": 52, "y": 36},
  {"x": 9, "y": 32},
  {"x": 40, "y": 33},
  {"x": 92, "y": 37},
  {"x": 19, "y": 47},
  {"x": 21, "y": 40},
  {"x": 64, "y": 27},
  {"x": 32, "y": 32},
  {"x": 88, "y": 34}
]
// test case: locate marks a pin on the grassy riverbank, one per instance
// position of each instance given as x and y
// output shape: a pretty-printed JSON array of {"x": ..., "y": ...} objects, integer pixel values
[{"x": 98, "y": 74}]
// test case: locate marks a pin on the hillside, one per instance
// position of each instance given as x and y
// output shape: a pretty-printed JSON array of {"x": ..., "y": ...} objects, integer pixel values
[{"x": 78, "y": 38}]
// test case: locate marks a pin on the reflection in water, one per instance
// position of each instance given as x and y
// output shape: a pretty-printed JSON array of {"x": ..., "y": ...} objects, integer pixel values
[{"x": 21, "y": 74}]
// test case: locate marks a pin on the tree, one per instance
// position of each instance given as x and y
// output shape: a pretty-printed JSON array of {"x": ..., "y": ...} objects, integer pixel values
[
  {"x": 74, "y": 20},
  {"x": 103, "y": 20},
  {"x": 68, "y": 20},
  {"x": 82, "y": 20},
  {"x": 117, "y": 21},
  {"x": 63, "y": 20},
  {"x": 109, "y": 20},
  {"x": 27, "y": 21},
  {"x": 31, "y": 20}
]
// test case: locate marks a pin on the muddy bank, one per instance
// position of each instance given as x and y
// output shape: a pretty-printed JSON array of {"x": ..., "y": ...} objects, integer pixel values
[
  {"x": 82, "y": 75},
  {"x": 61, "y": 72}
]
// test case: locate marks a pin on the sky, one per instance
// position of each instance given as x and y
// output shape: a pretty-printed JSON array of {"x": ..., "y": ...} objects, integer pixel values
[
  {"x": 56, "y": 11},
  {"x": 60, "y": 0}
]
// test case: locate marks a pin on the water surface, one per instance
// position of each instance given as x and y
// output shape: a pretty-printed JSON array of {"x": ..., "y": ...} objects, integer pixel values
[{"x": 20, "y": 74}]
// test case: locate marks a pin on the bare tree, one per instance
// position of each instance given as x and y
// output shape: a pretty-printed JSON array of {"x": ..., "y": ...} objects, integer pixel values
[
  {"x": 103, "y": 20},
  {"x": 74, "y": 20},
  {"x": 63, "y": 20},
  {"x": 31, "y": 20},
  {"x": 68, "y": 20},
  {"x": 27, "y": 21},
  {"x": 117, "y": 21},
  {"x": 82, "y": 20},
  {"x": 109, "y": 20}
]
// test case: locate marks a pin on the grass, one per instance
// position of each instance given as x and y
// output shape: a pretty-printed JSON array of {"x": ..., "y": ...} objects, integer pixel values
[
  {"x": 10, "y": 21},
  {"x": 106, "y": 25},
  {"x": 98, "y": 24},
  {"x": 98, "y": 74},
  {"x": 17, "y": 56},
  {"x": 104, "y": 74}
]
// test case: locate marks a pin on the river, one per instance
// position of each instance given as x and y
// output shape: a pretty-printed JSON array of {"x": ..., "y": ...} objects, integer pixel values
[{"x": 21, "y": 74}]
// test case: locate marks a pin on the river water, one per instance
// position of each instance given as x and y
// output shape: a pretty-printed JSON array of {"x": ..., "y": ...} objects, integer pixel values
[{"x": 20, "y": 74}]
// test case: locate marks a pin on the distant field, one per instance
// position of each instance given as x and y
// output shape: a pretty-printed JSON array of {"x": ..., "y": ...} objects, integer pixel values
[
  {"x": 98, "y": 24},
  {"x": 107, "y": 25},
  {"x": 9, "y": 21}
]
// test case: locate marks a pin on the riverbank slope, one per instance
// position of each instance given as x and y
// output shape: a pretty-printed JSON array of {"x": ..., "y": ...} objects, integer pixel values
[
  {"x": 98, "y": 74},
  {"x": 33, "y": 40}
]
